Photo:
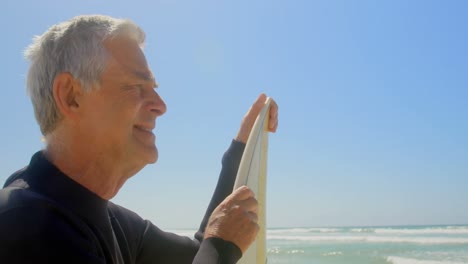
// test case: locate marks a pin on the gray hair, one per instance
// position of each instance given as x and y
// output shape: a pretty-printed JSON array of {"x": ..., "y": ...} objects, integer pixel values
[{"x": 74, "y": 46}]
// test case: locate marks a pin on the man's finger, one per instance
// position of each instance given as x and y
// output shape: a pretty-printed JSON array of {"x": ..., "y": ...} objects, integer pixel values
[
  {"x": 260, "y": 100},
  {"x": 257, "y": 106},
  {"x": 242, "y": 193},
  {"x": 249, "y": 204},
  {"x": 273, "y": 121},
  {"x": 253, "y": 217}
]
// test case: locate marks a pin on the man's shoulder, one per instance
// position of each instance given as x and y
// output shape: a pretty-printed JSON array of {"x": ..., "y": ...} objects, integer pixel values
[
  {"x": 15, "y": 176},
  {"x": 24, "y": 212},
  {"x": 16, "y": 196},
  {"x": 16, "y": 193},
  {"x": 29, "y": 221},
  {"x": 20, "y": 207}
]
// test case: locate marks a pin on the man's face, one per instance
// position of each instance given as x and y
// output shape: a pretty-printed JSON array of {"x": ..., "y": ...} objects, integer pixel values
[{"x": 119, "y": 116}]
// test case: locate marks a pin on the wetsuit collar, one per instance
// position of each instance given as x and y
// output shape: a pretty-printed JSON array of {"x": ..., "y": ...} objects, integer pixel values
[{"x": 43, "y": 177}]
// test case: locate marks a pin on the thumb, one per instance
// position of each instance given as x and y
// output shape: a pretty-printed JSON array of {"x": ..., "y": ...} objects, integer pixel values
[
  {"x": 250, "y": 117},
  {"x": 242, "y": 193}
]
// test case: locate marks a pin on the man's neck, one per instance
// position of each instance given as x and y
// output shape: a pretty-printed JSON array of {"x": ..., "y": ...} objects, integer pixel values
[{"x": 89, "y": 167}]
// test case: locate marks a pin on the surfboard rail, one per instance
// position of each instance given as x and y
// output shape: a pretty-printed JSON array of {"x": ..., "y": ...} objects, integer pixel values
[{"x": 252, "y": 173}]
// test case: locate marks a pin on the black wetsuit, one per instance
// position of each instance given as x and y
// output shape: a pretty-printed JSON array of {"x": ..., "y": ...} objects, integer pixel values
[{"x": 45, "y": 217}]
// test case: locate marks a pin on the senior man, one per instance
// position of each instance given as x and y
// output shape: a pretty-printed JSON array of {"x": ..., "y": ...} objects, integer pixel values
[{"x": 96, "y": 103}]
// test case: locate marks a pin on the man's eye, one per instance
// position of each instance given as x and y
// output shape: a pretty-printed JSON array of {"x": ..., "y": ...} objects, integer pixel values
[{"x": 133, "y": 87}]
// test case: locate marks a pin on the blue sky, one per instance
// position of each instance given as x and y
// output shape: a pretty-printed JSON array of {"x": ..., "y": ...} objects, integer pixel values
[{"x": 372, "y": 95}]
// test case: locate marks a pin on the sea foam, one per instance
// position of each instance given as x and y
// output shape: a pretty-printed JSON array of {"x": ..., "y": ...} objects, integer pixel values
[
  {"x": 449, "y": 230},
  {"x": 373, "y": 239},
  {"x": 424, "y": 231},
  {"x": 399, "y": 260}
]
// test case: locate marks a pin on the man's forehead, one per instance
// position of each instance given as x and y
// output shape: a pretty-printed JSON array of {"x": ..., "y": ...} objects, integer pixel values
[
  {"x": 125, "y": 52},
  {"x": 129, "y": 59}
]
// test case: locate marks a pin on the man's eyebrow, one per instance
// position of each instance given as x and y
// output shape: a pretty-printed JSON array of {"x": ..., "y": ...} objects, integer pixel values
[{"x": 145, "y": 76}]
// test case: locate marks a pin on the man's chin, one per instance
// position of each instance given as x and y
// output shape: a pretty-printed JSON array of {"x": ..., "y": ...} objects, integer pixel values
[
  {"x": 151, "y": 156},
  {"x": 145, "y": 153}
]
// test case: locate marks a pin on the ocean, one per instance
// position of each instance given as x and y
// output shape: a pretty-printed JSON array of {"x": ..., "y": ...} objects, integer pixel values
[{"x": 367, "y": 245}]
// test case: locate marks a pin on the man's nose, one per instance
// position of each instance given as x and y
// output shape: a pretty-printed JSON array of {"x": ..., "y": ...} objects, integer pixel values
[{"x": 157, "y": 104}]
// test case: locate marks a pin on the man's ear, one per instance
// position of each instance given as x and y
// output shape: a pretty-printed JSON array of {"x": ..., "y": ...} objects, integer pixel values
[{"x": 66, "y": 91}]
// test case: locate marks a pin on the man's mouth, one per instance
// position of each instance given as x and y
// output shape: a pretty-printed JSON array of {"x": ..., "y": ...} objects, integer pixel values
[{"x": 144, "y": 128}]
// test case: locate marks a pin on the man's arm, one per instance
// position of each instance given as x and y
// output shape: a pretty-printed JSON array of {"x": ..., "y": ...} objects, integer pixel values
[
  {"x": 227, "y": 177},
  {"x": 234, "y": 218},
  {"x": 149, "y": 244},
  {"x": 232, "y": 158}
]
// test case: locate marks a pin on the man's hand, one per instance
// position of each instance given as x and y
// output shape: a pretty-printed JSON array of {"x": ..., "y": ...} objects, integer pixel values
[
  {"x": 251, "y": 116},
  {"x": 235, "y": 219}
]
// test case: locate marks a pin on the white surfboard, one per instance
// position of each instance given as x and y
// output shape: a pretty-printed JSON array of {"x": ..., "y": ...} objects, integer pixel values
[{"x": 252, "y": 172}]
